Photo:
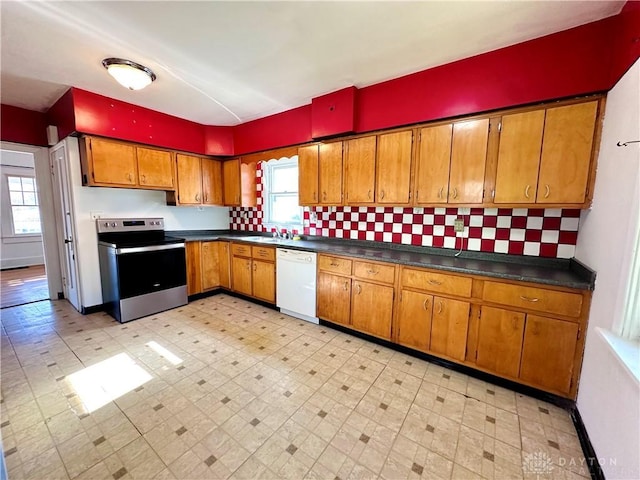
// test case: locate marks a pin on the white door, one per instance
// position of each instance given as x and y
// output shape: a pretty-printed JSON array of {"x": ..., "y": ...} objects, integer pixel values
[{"x": 64, "y": 222}]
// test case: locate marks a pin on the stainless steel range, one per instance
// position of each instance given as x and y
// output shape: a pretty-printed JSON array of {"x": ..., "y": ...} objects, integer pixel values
[{"x": 143, "y": 271}]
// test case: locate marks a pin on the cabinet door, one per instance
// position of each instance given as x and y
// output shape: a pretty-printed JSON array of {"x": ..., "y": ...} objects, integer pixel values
[
  {"x": 334, "y": 298},
  {"x": 223, "y": 257},
  {"x": 566, "y": 153},
  {"x": 264, "y": 281},
  {"x": 372, "y": 308},
  {"x": 548, "y": 353},
  {"x": 248, "y": 192},
  {"x": 330, "y": 173},
  {"x": 231, "y": 182},
  {"x": 155, "y": 168},
  {"x": 308, "y": 175},
  {"x": 241, "y": 275},
  {"x": 500, "y": 341},
  {"x": 189, "y": 180},
  {"x": 433, "y": 159},
  {"x": 194, "y": 272},
  {"x": 210, "y": 265},
  {"x": 113, "y": 162},
  {"x": 360, "y": 171},
  {"x": 414, "y": 320},
  {"x": 449, "y": 326},
  {"x": 393, "y": 168},
  {"x": 468, "y": 158},
  {"x": 519, "y": 157},
  {"x": 211, "y": 182}
]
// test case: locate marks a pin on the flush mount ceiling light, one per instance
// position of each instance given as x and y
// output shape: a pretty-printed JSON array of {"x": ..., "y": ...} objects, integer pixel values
[{"x": 129, "y": 74}]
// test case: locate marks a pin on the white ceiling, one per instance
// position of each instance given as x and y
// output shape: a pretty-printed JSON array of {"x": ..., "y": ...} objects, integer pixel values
[{"x": 223, "y": 63}]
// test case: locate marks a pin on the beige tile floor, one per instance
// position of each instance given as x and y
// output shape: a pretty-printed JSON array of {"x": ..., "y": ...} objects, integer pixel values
[{"x": 236, "y": 390}]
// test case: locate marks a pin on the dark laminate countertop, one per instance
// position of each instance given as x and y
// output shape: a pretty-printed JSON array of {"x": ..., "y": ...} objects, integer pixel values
[{"x": 560, "y": 272}]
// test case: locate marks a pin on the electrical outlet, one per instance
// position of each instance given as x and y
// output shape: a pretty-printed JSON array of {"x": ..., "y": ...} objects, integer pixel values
[
  {"x": 96, "y": 215},
  {"x": 458, "y": 225}
]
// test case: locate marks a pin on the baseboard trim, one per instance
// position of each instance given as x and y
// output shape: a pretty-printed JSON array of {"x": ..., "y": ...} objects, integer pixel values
[
  {"x": 587, "y": 447},
  {"x": 92, "y": 309}
]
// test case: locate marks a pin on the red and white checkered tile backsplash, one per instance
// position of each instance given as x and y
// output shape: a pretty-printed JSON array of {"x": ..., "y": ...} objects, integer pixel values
[{"x": 536, "y": 232}]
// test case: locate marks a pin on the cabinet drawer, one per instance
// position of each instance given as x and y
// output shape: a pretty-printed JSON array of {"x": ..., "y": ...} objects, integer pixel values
[
  {"x": 374, "y": 271},
  {"x": 334, "y": 264},
  {"x": 264, "y": 253},
  {"x": 240, "y": 250},
  {"x": 532, "y": 298},
  {"x": 436, "y": 282}
]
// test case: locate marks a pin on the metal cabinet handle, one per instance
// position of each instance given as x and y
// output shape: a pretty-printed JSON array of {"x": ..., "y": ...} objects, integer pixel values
[
  {"x": 440, "y": 307},
  {"x": 455, "y": 192},
  {"x": 197, "y": 197},
  {"x": 206, "y": 197},
  {"x": 547, "y": 191},
  {"x": 529, "y": 299},
  {"x": 369, "y": 194},
  {"x": 315, "y": 194},
  {"x": 526, "y": 191},
  {"x": 346, "y": 286},
  {"x": 143, "y": 178},
  {"x": 381, "y": 194},
  {"x": 425, "y": 303},
  {"x": 440, "y": 192},
  {"x": 359, "y": 288},
  {"x": 129, "y": 176},
  {"x": 255, "y": 266},
  {"x": 334, "y": 264},
  {"x": 372, "y": 272},
  {"x": 435, "y": 282},
  {"x": 324, "y": 195}
]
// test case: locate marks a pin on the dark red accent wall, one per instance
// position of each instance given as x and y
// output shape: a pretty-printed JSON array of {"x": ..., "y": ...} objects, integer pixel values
[
  {"x": 61, "y": 114},
  {"x": 626, "y": 46},
  {"x": 218, "y": 140},
  {"x": 20, "y": 125},
  {"x": 286, "y": 128}
]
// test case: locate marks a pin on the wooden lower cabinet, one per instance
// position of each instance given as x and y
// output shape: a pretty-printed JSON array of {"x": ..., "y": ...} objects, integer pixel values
[
  {"x": 372, "y": 308},
  {"x": 334, "y": 298},
  {"x": 549, "y": 353},
  {"x": 210, "y": 265},
  {"x": 194, "y": 268},
  {"x": 241, "y": 275},
  {"x": 414, "y": 320},
  {"x": 223, "y": 257},
  {"x": 263, "y": 280},
  {"x": 449, "y": 326},
  {"x": 500, "y": 341}
]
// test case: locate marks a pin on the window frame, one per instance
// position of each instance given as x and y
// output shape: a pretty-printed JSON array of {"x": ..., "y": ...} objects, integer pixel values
[
  {"x": 12, "y": 226},
  {"x": 268, "y": 195}
]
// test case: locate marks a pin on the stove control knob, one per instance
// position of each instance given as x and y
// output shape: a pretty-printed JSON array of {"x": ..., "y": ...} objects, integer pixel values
[{"x": 114, "y": 224}]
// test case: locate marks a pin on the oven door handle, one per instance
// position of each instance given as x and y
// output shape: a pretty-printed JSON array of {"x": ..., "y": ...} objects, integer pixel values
[{"x": 150, "y": 248}]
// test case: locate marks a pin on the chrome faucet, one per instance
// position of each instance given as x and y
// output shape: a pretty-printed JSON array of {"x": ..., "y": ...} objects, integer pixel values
[{"x": 280, "y": 233}]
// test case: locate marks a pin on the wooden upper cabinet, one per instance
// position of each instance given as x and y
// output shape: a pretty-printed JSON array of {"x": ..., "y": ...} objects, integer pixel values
[
  {"x": 433, "y": 158},
  {"x": 566, "y": 153},
  {"x": 360, "y": 171},
  {"x": 189, "y": 179},
  {"x": 211, "y": 182},
  {"x": 248, "y": 192},
  {"x": 468, "y": 159},
  {"x": 155, "y": 168},
  {"x": 393, "y": 168},
  {"x": 112, "y": 162},
  {"x": 330, "y": 173},
  {"x": 231, "y": 182},
  {"x": 519, "y": 157},
  {"x": 500, "y": 341},
  {"x": 308, "y": 175},
  {"x": 548, "y": 353}
]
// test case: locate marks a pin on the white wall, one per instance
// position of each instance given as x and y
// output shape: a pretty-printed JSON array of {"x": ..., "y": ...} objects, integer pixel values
[
  {"x": 120, "y": 202},
  {"x": 23, "y": 250},
  {"x": 609, "y": 396}
]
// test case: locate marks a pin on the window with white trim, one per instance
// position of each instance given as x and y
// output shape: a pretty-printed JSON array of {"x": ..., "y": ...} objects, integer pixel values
[
  {"x": 23, "y": 198},
  {"x": 280, "y": 197}
]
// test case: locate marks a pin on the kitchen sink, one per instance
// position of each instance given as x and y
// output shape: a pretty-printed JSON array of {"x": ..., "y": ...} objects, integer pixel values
[{"x": 261, "y": 239}]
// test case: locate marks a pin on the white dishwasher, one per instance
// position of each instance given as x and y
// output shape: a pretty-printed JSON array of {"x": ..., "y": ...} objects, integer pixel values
[{"x": 296, "y": 283}]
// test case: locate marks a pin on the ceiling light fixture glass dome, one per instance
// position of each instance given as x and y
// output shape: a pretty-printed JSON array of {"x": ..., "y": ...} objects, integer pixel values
[{"x": 129, "y": 74}]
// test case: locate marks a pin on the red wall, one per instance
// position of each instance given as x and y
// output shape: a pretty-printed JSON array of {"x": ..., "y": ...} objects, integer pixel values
[
  {"x": 586, "y": 59},
  {"x": 23, "y": 126}
]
